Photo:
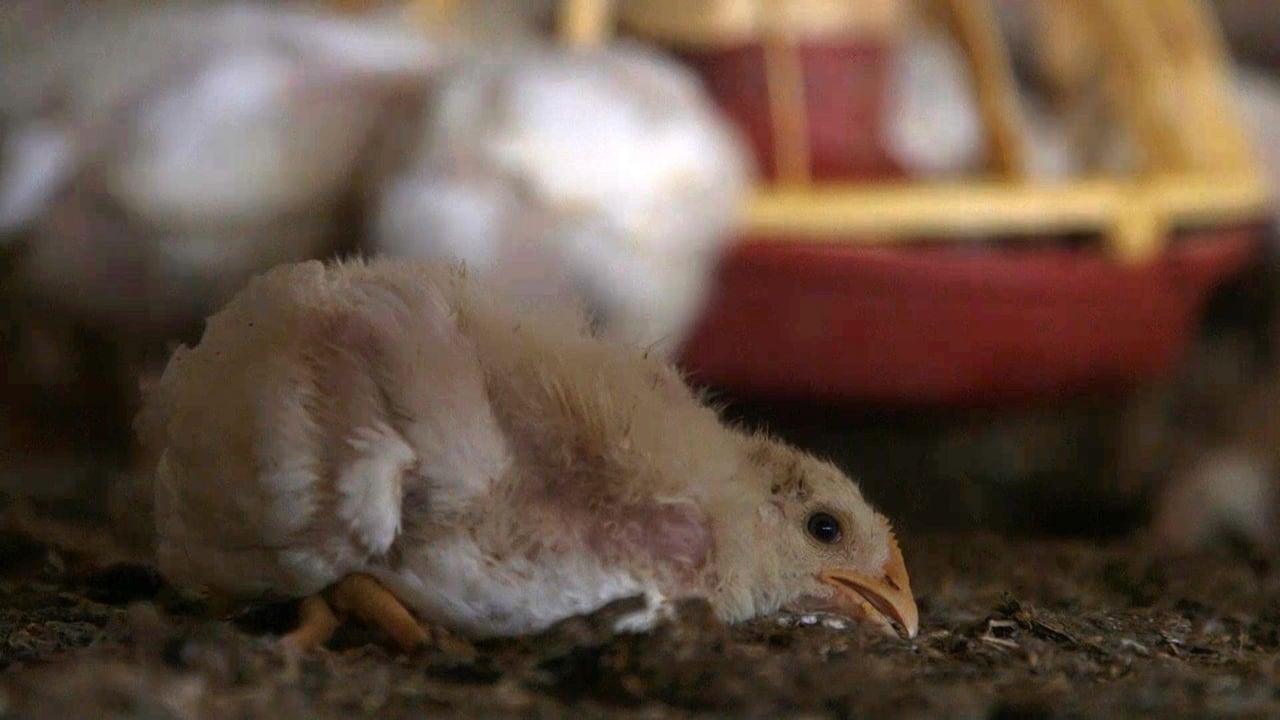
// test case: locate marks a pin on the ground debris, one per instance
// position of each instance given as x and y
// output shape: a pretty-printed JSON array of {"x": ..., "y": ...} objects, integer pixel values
[
  {"x": 1028, "y": 619},
  {"x": 1009, "y": 629}
]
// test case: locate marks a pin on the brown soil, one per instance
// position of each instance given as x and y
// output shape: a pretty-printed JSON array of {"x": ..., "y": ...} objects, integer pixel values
[{"x": 1009, "y": 629}]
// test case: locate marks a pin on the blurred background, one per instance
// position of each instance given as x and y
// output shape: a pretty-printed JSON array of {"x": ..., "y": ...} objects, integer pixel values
[{"x": 1010, "y": 264}]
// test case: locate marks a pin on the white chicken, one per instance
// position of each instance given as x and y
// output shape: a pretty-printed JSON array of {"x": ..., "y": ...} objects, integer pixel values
[
  {"x": 603, "y": 174},
  {"x": 155, "y": 158},
  {"x": 932, "y": 125}
]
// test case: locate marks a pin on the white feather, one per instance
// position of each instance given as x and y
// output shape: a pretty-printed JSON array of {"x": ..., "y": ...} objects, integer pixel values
[{"x": 370, "y": 487}]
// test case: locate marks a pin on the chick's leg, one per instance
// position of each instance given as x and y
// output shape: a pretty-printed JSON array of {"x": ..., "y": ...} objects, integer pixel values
[
  {"x": 358, "y": 595},
  {"x": 316, "y": 624},
  {"x": 366, "y": 598}
]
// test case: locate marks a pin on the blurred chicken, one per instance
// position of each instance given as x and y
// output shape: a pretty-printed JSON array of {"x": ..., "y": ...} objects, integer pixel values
[
  {"x": 394, "y": 435},
  {"x": 1222, "y": 478},
  {"x": 1257, "y": 96},
  {"x": 601, "y": 174},
  {"x": 153, "y": 159},
  {"x": 1227, "y": 491},
  {"x": 932, "y": 125}
]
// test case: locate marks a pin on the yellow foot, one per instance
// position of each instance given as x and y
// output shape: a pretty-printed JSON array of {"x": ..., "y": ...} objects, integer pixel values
[
  {"x": 366, "y": 598},
  {"x": 316, "y": 623}
]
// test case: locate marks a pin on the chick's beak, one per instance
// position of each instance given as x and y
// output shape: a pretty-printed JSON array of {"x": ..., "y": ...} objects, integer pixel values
[{"x": 887, "y": 597}]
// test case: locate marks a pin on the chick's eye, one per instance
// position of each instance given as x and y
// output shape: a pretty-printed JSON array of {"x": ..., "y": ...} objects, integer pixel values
[{"x": 824, "y": 528}]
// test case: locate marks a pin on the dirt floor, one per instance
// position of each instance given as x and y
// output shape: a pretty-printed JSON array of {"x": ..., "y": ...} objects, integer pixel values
[{"x": 1009, "y": 629}]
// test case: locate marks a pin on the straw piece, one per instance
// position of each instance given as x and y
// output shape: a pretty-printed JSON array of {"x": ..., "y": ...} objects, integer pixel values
[
  {"x": 584, "y": 23},
  {"x": 973, "y": 23},
  {"x": 886, "y": 214},
  {"x": 788, "y": 112}
]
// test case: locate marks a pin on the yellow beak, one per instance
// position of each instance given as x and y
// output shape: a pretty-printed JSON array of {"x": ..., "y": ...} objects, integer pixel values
[{"x": 887, "y": 597}]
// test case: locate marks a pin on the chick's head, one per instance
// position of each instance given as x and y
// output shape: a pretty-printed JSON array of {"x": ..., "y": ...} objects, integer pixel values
[{"x": 804, "y": 539}]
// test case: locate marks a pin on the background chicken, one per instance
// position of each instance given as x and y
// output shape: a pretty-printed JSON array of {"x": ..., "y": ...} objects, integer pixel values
[
  {"x": 602, "y": 174},
  {"x": 155, "y": 160},
  {"x": 152, "y": 161}
]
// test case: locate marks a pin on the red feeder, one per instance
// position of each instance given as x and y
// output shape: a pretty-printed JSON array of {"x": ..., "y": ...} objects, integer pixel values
[
  {"x": 949, "y": 325},
  {"x": 833, "y": 293}
]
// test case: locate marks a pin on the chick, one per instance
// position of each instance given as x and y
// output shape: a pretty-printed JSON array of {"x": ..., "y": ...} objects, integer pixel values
[
  {"x": 403, "y": 442},
  {"x": 604, "y": 174}
]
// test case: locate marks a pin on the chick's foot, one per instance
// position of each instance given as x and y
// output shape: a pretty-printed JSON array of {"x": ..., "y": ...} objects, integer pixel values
[
  {"x": 368, "y": 600},
  {"x": 316, "y": 624}
]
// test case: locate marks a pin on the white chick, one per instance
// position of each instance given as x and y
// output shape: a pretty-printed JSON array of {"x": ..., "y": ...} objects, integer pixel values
[
  {"x": 932, "y": 124},
  {"x": 1257, "y": 98},
  {"x": 399, "y": 440},
  {"x": 155, "y": 158},
  {"x": 1223, "y": 477},
  {"x": 1227, "y": 490},
  {"x": 603, "y": 174},
  {"x": 934, "y": 127}
]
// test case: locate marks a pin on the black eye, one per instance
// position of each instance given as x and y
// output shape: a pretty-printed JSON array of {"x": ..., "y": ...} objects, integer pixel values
[{"x": 824, "y": 528}]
